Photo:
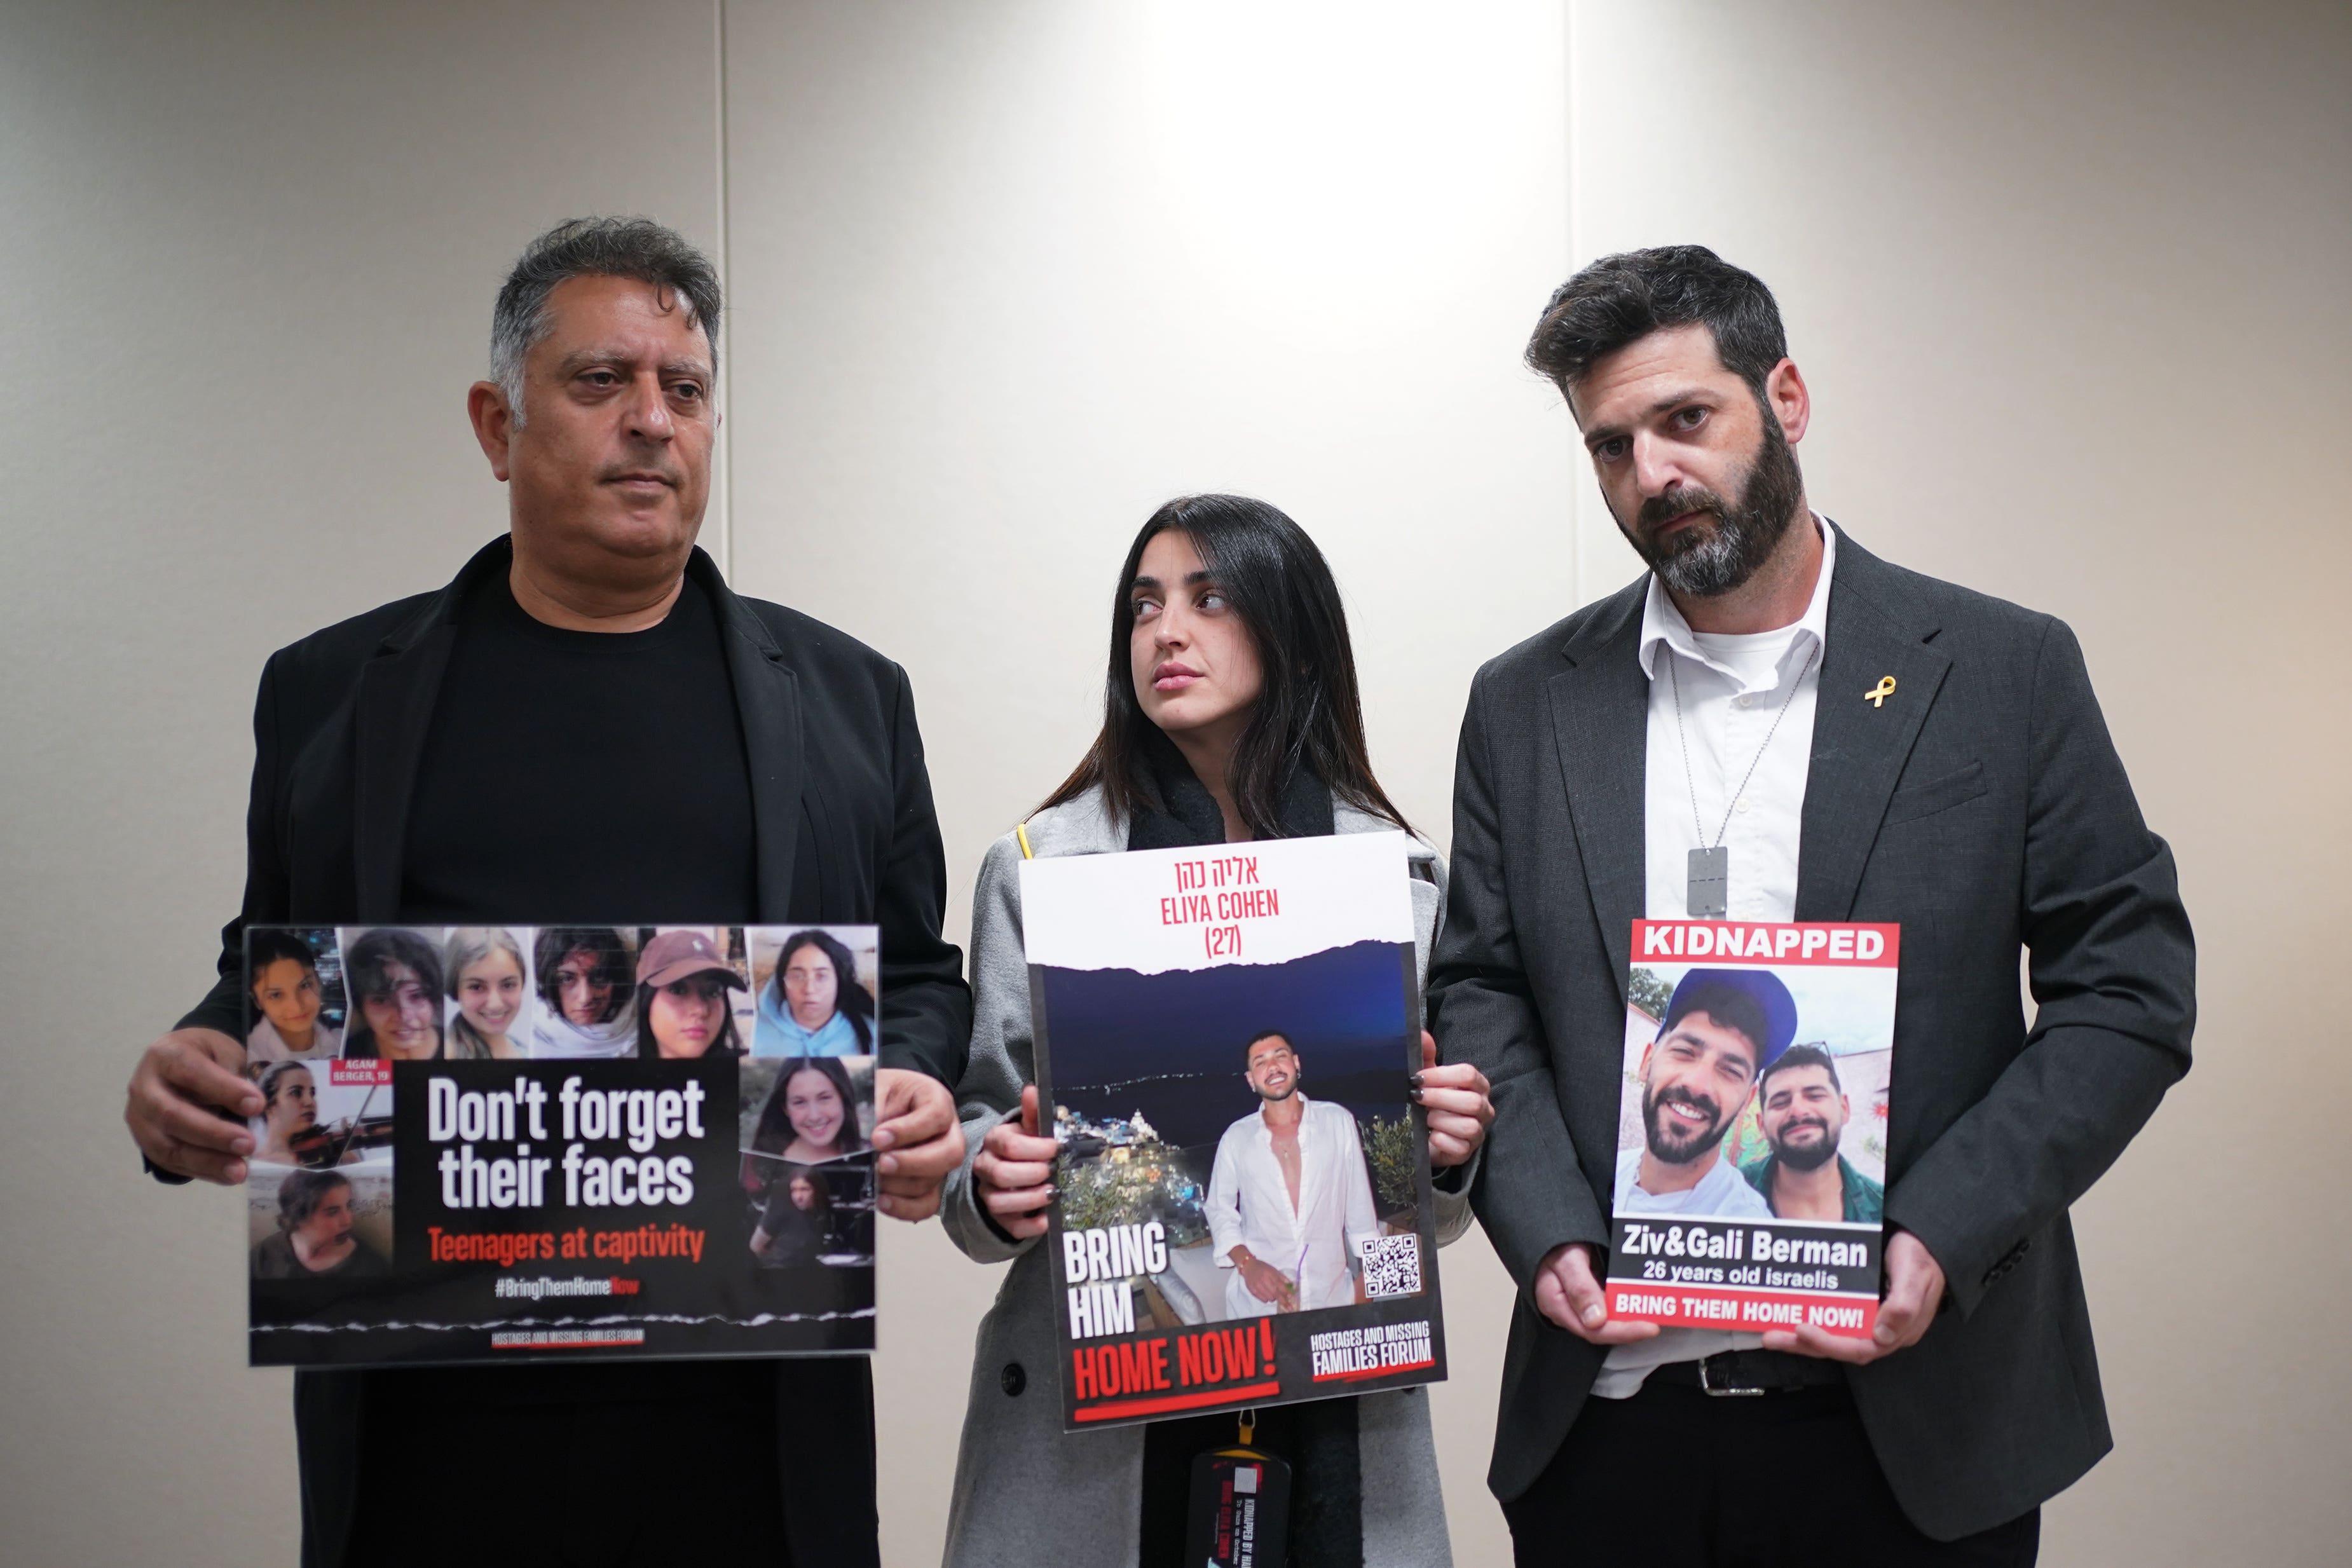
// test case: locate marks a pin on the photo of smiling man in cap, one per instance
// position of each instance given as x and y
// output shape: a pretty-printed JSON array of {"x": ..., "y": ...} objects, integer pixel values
[{"x": 1723, "y": 1027}]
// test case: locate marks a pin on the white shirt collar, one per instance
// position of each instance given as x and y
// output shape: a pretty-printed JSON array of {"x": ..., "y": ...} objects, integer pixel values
[
  {"x": 1662, "y": 623},
  {"x": 1267, "y": 1128}
]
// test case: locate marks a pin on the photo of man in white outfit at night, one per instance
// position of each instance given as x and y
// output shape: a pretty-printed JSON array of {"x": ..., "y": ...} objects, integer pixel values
[{"x": 1289, "y": 1196}]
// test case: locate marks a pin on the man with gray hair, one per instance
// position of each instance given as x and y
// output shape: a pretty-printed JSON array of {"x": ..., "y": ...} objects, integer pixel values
[{"x": 588, "y": 721}]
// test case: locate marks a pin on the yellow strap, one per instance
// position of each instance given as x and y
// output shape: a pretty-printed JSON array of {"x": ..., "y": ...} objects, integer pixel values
[{"x": 1021, "y": 832}]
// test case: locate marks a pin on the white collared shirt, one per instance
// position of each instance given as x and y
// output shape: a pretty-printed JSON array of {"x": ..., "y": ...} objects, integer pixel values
[
  {"x": 1249, "y": 1206},
  {"x": 1733, "y": 687}
]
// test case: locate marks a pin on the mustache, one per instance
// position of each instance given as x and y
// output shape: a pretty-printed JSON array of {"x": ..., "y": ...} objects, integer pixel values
[
  {"x": 1682, "y": 1096},
  {"x": 1660, "y": 510},
  {"x": 1696, "y": 1101}
]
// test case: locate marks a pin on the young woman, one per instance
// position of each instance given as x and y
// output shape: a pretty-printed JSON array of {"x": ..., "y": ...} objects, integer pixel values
[
  {"x": 395, "y": 980},
  {"x": 1230, "y": 714},
  {"x": 683, "y": 995},
  {"x": 290, "y": 1104},
  {"x": 813, "y": 1005},
  {"x": 486, "y": 982},
  {"x": 796, "y": 1227},
  {"x": 811, "y": 1115},
  {"x": 583, "y": 981},
  {"x": 286, "y": 991},
  {"x": 314, "y": 1233}
]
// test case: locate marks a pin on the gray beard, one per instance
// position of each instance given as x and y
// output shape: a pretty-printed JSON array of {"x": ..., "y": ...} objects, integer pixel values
[
  {"x": 1725, "y": 559},
  {"x": 1744, "y": 532}
]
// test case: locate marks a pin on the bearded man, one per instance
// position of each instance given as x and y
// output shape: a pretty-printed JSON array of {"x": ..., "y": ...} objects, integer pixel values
[
  {"x": 1289, "y": 1199},
  {"x": 1722, "y": 1029},
  {"x": 1801, "y": 1110},
  {"x": 1772, "y": 724}
]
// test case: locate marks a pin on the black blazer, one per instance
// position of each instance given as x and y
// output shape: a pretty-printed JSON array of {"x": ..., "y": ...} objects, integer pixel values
[
  {"x": 1983, "y": 808},
  {"x": 844, "y": 832}
]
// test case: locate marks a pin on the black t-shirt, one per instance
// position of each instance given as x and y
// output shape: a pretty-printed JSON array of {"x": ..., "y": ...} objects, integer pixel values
[
  {"x": 275, "y": 1259},
  {"x": 587, "y": 776}
]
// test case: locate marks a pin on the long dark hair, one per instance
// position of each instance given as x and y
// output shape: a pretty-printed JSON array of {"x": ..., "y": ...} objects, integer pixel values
[
  {"x": 817, "y": 1181},
  {"x": 276, "y": 1074},
  {"x": 1309, "y": 713},
  {"x": 773, "y": 1132},
  {"x": 849, "y": 998},
  {"x": 301, "y": 1193},
  {"x": 263, "y": 948},
  {"x": 823, "y": 1212},
  {"x": 602, "y": 942},
  {"x": 366, "y": 967},
  {"x": 727, "y": 1042}
]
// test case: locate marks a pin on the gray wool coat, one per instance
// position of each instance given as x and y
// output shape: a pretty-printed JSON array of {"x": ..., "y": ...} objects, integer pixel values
[{"x": 1021, "y": 1481}]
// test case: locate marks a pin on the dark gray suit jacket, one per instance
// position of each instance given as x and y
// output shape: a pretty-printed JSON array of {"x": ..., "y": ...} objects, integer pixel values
[{"x": 1982, "y": 808}]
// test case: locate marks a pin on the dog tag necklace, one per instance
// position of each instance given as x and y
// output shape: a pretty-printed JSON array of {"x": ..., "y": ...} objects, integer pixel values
[{"x": 1707, "y": 891}]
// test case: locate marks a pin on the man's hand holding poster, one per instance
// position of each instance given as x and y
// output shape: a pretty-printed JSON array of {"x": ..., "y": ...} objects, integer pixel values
[
  {"x": 1751, "y": 1154},
  {"x": 1225, "y": 1039},
  {"x": 561, "y": 1142}
]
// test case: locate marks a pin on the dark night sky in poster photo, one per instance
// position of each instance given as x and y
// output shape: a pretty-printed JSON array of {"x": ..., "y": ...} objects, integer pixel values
[{"x": 1173, "y": 1044}]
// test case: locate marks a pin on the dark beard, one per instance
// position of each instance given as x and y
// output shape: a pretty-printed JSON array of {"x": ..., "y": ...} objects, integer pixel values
[
  {"x": 1807, "y": 1159},
  {"x": 1662, "y": 1137},
  {"x": 1708, "y": 560}
]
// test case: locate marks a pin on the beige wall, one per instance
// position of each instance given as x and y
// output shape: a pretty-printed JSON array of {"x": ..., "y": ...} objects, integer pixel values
[
  {"x": 2069, "y": 283},
  {"x": 1007, "y": 280},
  {"x": 246, "y": 263}
]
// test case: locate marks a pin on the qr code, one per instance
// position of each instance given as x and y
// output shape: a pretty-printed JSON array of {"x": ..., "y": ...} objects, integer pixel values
[{"x": 1391, "y": 1265}]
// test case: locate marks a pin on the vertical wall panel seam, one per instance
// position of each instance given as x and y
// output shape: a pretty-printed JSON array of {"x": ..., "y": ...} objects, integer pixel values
[
  {"x": 1579, "y": 523},
  {"x": 726, "y": 345}
]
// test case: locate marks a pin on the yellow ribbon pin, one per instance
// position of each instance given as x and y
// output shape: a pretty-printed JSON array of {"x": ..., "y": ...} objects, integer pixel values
[{"x": 1876, "y": 696}]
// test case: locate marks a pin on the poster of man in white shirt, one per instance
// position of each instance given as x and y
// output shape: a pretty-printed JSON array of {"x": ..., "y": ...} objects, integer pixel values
[
  {"x": 1290, "y": 1198},
  {"x": 1242, "y": 1210},
  {"x": 1722, "y": 1027}
]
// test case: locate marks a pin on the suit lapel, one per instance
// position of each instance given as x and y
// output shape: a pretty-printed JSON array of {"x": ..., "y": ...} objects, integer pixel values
[
  {"x": 1859, "y": 746},
  {"x": 1600, "y": 716},
  {"x": 391, "y": 713},
  {"x": 768, "y": 705}
]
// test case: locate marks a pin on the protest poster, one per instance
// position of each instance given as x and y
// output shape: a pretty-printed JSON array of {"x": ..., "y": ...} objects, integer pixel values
[
  {"x": 1243, "y": 1213},
  {"x": 1751, "y": 1146},
  {"x": 560, "y": 1143}
]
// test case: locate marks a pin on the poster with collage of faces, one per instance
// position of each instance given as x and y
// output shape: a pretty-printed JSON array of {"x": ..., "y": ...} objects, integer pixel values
[{"x": 492, "y": 1143}]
